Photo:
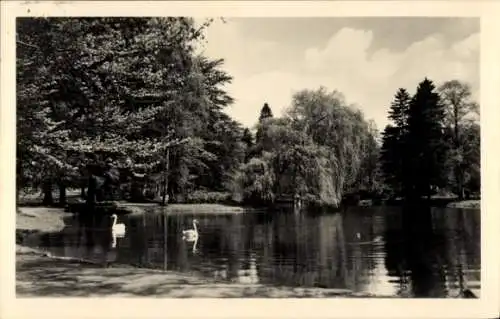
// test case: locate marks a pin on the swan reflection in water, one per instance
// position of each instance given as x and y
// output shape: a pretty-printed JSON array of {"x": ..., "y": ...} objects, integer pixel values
[{"x": 114, "y": 237}]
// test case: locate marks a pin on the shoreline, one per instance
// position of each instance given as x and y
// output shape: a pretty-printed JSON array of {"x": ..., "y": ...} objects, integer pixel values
[
  {"x": 471, "y": 203},
  {"x": 38, "y": 275},
  {"x": 438, "y": 202},
  {"x": 35, "y": 278}
]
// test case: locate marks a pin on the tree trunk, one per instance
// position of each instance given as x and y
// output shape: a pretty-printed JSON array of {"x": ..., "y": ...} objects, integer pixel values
[
  {"x": 18, "y": 194},
  {"x": 47, "y": 193},
  {"x": 62, "y": 194},
  {"x": 460, "y": 182},
  {"x": 164, "y": 199},
  {"x": 18, "y": 182},
  {"x": 91, "y": 190},
  {"x": 459, "y": 173},
  {"x": 460, "y": 187}
]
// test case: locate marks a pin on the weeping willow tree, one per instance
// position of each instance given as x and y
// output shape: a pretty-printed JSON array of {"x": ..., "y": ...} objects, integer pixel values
[
  {"x": 256, "y": 179},
  {"x": 314, "y": 151},
  {"x": 335, "y": 125}
]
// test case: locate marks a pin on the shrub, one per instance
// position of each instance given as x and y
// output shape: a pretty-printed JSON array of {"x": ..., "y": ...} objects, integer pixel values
[{"x": 206, "y": 197}]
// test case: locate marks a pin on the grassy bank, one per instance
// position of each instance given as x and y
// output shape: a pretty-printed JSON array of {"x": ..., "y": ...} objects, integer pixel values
[
  {"x": 185, "y": 208},
  {"x": 449, "y": 202},
  {"x": 473, "y": 203},
  {"x": 44, "y": 219},
  {"x": 31, "y": 220}
]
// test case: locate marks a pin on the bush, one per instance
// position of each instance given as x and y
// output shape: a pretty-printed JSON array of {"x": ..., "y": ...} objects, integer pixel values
[{"x": 206, "y": 197}]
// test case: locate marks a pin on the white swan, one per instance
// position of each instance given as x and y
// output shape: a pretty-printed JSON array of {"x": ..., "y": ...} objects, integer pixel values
[
  {"x": 117, "y": 229},
  {"x": 191, "y": 234}
]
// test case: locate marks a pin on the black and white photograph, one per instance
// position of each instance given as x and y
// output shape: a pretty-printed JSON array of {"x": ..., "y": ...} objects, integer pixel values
[{"x": 248, "y": 157}]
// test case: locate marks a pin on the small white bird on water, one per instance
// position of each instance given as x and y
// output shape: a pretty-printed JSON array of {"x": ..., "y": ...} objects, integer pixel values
[
  {"x": 191, "y": 234},
  {"x": 117, "y": 229}
]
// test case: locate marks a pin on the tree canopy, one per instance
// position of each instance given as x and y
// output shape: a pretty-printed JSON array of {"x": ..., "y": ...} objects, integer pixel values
[
  {"x": 135, "y": 94},
  {"x": 425, "y": 148},
  {"x": 316, "y": 150},
  {"x": 91, "y": 89}
]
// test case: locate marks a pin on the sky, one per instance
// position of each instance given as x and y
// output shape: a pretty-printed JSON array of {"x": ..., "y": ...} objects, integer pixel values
[{"x": 366, "y": 59}]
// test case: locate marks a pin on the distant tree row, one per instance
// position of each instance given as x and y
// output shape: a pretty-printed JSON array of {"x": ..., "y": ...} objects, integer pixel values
[
  {"x": 322, "y": 149},
  {"x": 433, "y": 143}
]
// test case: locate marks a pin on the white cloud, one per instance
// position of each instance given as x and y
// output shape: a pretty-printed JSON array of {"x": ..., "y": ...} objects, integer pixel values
[
  {"x": 348, "y": 45},
  {"x": 242, "y": 55},
  {"x": 343, "y": 63}
]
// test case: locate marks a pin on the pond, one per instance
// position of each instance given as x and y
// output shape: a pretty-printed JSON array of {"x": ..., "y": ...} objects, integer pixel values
[{"x": 364, "y": 249}]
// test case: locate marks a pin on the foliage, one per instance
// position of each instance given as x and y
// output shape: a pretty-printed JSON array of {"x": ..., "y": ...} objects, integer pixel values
[
  {"x": 332, "y": 123},
  {"x": 118, "y": 88},
  {"x": 265, "y": 112},
  {"x": 316, "y": 151},
  {"x": 470, "y": 147},
  {"x": 427, "y": 148},
  {"x": 136, "y": 92},
  {"x": 369, "y": 179},
  {"x": 204, "y": 197},
  {"x": 431, "y": 141},
  {"x": 460, "y": 111},
  {"x": 257, "y": 180},
  {"x": 393, "y": 156},
  {"x": 265, "y": 115}
]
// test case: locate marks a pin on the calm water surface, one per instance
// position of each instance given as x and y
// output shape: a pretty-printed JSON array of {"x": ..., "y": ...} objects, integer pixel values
[{"x": 367, "y": 250}]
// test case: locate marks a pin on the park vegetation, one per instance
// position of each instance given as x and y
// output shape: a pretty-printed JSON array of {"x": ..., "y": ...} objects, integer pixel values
[
  {"x": 132, "y": 100},
  {"x": 432, "y": 146}
]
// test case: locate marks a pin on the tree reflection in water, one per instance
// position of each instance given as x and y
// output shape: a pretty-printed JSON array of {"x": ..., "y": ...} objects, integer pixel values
[
  {"x": 426, "y": 252},
  {"x": 417, "y": 252}
]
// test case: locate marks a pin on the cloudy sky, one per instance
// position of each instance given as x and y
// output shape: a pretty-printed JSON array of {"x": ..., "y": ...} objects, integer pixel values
[{"x": 367, "y": 59}]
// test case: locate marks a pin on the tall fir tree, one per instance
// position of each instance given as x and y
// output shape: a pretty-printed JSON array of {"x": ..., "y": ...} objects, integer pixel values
[
  {"x": 426, "y": 147},
  {"x": 398, "y": 112},
  {"x": 393, "y": 154},
  {"x": 390, "y": 160},
  {"x": 265, "y": 112}
]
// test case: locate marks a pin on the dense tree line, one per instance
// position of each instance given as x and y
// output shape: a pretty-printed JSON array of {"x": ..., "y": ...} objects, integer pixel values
[
  {"x": 432, "y": 145},
  {"x": 135, "y": 95},
  {"x": 126, "y": 91}
]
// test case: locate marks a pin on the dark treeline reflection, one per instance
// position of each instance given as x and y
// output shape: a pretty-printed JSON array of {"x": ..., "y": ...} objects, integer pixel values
[
  {"x": 434, "y": 252},
  {"x": 412, "y": 252}
]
